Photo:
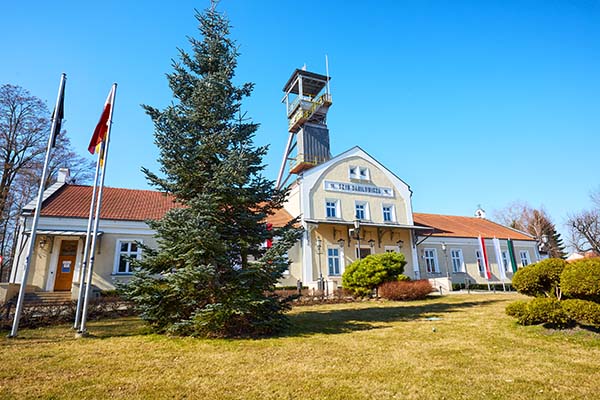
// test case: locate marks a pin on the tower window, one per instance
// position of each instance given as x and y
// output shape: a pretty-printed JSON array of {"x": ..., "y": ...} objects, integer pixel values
[{"x": 356, "y": 172}]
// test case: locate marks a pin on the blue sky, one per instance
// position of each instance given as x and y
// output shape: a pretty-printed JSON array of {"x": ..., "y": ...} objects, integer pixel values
[{"x": 469, "y": 102}]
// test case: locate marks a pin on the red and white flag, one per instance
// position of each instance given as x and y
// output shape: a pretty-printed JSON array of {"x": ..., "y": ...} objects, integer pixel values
[
  {"x": 102, "y": 128},
  {"x": 484, "y": 258}
]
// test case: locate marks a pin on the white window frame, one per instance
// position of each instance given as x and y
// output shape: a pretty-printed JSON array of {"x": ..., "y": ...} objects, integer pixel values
[
  {"x": 363, "y": 174},
  {"x": 460, "y": 258},
  {"x": 525, "y": 261},
  {"x": 366, "y": 210},
  {"x": 359, "y": 173},
  {"x": 118, "y": 254},
  {"x": 391, "y": 249},
  {"x": 337, "y": 257},
  {"x": 480, "y": 263},
  {"x": 337, "y": 208},
  {"x": 392, "y": 212},
  {"x": 430, "y": 255}
]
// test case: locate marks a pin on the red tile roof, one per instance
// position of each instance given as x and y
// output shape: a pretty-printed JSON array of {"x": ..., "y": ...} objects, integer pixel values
[
  {"x": 117, "y": 204},
  {"x": 469, "y": 227},
  {"x": 73, "y": 201}
]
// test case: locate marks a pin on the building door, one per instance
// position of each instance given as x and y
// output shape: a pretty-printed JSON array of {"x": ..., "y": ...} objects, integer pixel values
[
  {"x": 66, "y": 265},
  {"x": 364, "y": 251}
]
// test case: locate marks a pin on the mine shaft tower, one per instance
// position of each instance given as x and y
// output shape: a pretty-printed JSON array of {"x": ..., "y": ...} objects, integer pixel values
[{"x": 307, "y": 100}]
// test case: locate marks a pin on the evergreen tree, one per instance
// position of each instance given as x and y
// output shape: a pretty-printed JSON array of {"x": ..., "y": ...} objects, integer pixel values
[
  {"x": 209, "y": 275},
  {"x": 557, "y": 246}
]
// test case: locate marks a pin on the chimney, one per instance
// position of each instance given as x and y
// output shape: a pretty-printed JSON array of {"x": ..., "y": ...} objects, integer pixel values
[{"x": 63, "y": 175}]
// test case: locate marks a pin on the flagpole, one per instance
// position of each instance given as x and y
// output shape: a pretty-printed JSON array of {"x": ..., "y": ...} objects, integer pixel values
[
  {"x": 56, "y": 116},
  {"x": 90, "y": 269},
  {"x": 86, "y": 252}
]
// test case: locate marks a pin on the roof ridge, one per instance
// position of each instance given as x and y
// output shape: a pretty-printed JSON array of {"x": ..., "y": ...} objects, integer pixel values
[{"x": 120, "y": 188}]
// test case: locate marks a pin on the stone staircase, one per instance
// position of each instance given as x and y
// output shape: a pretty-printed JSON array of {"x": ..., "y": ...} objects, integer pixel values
[{"x": 47, "y": 298}]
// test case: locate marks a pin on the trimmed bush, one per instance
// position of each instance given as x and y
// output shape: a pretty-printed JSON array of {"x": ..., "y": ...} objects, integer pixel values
[
  {"x": 541, "y": 279},
  {"x": 362, "y": 276},
  {"x": 583, "y": 311},
  {"x": 403, "y": 278},
  {"x": 546, "y": 311},
  {"x": 517, "y": 309},
  {"x": 403, "y": 290},
  {"x": 581, "y": 280}
]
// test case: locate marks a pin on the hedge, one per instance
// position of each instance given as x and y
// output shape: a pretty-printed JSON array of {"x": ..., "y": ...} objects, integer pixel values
[
  {"x": 541, "y": 279},
  {"x": 404, "y": 290},
  {"x": 542, "y": 310},
  {"x": 581, "y": 280},
  {"x": 583, "y": 311},
  {"x": 362, "y": 276}
]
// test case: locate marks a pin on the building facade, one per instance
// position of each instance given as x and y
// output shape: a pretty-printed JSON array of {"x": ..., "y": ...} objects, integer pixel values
[{"x": 350, "y": 206}]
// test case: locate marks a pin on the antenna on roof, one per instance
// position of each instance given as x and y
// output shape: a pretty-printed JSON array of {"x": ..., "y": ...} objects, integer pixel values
[{"x": 327, "y": 72}]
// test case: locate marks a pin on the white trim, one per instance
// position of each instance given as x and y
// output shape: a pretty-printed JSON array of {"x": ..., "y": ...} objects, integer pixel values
[
  {"x": 367, "y": 210},
  {"x": 461, "y": 259},
  {"x": 313, "y": 175},
  {"x": 527, "y": 257},
  {"x": 53, "y": 263},
  {"x": 117, "y": 256},
  {"x": 392, "y": 249},
  {"x": 392, "y": 212},
  {"x": 362, "y": 246},
  {"x": 339, "y": 257},
  {"x": 338, "y": 208},
  {"x": 436, "y": 264}
]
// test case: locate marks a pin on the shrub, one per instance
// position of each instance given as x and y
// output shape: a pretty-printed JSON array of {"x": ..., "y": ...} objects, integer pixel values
[
  {"x": 546, "y": 311},
  {"x": 403, "y": 290},
  {"x": 581, "y": 280},
  {"x": 583, "y": 311},
  {"x": 517, "y": 309},
  {"x": 362, "y": 276},
  {"x": 403, "y": 278},
  {"x": 541, "y": 279}
]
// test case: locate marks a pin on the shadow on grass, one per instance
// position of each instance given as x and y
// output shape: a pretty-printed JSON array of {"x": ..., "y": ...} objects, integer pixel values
[
  {"x": 98, "y": 329},
  {"x": 348, "y": 320}
]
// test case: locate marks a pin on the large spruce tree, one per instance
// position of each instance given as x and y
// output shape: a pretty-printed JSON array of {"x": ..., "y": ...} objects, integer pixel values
[{"x": 210, "y": 274}]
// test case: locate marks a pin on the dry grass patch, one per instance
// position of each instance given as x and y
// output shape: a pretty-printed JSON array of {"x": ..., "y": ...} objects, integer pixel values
[{"x": 369, "y": 350}]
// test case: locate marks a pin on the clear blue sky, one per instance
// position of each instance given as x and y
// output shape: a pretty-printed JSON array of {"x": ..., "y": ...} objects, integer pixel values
[{"x": 469, "y": 102}]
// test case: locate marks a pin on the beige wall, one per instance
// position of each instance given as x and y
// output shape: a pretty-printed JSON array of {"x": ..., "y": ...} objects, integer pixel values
[
  {"x": 104, "y": 270},
  {"x": 294, "y": 273},
  {"x": 331, "y": 233},
  {"x": 42, "y": 270},
  {"x": 339, "y": 173},
  {"x": 292, "y": 204},
  {"x": 469, "y": 248}
]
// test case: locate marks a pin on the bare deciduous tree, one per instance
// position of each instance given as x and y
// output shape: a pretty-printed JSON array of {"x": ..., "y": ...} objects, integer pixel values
[
  {"x": 536, "y": 222},
  {"x": 585, "y": 227},
  {"x": 24, "y": 130}
]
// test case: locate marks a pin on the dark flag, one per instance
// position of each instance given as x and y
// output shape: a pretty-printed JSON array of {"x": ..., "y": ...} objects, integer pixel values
[{"x": 59, "y": 110}]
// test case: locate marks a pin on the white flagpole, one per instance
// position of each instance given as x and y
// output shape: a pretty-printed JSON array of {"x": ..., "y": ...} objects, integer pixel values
[
  {"x": 38, "y": 208},
  {"x": 86, "y": 252},
  {"x": 501, "y": 270},
  {"x": 90, "y": 269}
]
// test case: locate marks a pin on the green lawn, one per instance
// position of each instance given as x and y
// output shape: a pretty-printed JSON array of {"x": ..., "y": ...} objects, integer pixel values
[{"x": 366, "y": 350}]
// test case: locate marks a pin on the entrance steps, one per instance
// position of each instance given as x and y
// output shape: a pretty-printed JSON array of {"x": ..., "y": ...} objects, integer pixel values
[{"x": 47, "y": 298}]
